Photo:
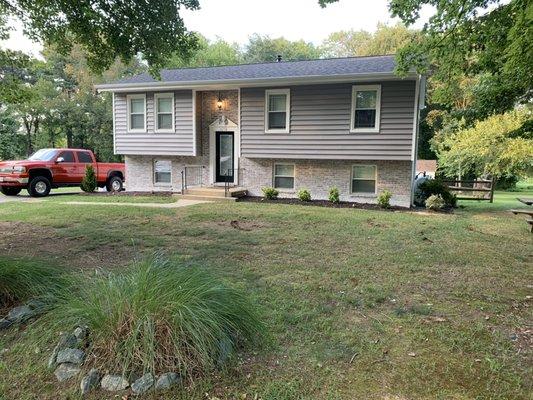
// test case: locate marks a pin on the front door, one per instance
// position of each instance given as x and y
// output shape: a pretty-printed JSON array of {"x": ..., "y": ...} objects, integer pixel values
[{"x": 224, "y": 156}]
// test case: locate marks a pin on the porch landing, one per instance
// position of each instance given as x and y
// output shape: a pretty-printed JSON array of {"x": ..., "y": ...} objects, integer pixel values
[{"x": 213, "y": 193}]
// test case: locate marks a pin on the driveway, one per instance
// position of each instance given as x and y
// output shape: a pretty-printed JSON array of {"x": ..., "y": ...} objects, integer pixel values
[{"x": 24, "y": 196}]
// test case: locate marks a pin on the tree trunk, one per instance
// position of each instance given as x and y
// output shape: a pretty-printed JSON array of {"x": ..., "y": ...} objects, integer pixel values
[
  {"x": 69, "y": 137},
  {"x": 28, "y": 123}
]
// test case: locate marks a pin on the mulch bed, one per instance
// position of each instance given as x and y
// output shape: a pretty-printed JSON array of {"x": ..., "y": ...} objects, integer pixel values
[{"x": 321, "y": 203}]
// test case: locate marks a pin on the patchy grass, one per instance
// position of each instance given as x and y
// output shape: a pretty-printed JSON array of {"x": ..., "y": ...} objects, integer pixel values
[
  {"x": 115, "y": 198},
  {"x": 359, "y": 303}
]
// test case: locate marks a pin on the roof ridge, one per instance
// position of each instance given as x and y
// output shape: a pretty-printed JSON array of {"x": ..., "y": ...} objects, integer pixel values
[{"x": 280, "y": 62}]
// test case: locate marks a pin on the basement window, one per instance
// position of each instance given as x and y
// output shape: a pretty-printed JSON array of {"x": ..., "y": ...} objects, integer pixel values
[
  {"x": 284, "y": 176},
  {"x": 162, "y": 172},
  {"x": 364, "y": 179}
]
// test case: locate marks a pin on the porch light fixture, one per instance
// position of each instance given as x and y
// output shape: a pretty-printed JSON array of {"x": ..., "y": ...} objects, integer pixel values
[{"x": 220, "y": 102}]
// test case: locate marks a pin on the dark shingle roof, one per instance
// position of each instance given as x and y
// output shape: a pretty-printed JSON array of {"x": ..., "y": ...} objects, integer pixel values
[{"x": 273, "y": 70}]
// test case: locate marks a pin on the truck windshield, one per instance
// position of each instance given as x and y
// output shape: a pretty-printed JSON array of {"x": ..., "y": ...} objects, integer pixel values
[{"x": 43, "y": 155}]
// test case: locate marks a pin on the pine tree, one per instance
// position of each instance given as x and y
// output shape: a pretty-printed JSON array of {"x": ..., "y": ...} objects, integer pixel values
[{"x": 88, "y": 184}]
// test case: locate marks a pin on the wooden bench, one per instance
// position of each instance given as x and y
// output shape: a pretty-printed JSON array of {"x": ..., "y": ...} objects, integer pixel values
[{"x": 528, "y": 212}]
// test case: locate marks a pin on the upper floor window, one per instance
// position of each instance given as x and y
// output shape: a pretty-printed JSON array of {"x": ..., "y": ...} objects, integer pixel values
[
  {"x": 366, "y": 104},
  {"x": 277, "y": 110},
  {"x": 164, "y": 112},
  {"x": 136, "y": 113}
]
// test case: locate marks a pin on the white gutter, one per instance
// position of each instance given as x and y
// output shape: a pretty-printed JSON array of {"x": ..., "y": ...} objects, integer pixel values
[
  {"x": 232, "y": 83},
  {"x": 420, "y": 104}
]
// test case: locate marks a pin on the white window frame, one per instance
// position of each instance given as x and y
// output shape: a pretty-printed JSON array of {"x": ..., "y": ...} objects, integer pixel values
[
  {"x": 130, "y": 97},
  {"x": 286, "y": 92},
  {"x": 375, "y": 180},
  {"x": 156, "y": 112},
  {"x": 154, "y": 176},
  {"x": 363, "y": 88},
  {"x": 274, "y": 176}
]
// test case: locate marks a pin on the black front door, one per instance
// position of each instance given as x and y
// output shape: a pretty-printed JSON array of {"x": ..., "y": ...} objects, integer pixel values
[{"x": 224, "y": 156}]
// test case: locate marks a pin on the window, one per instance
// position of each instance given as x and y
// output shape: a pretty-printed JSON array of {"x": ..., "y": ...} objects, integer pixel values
[
  {"x": 366, "y": 104},
  {"x": 68, "y": 156},
  {"x": 284, "y": 176},
  {"x": 364, "y": 179},
  {"x": 164, "y": 112},
  {"x": 162, "y": 172},
  {"x": 277, "y": 110},
  {"x": 84, "y": 157},
  {"x": 136, "y": 113}
]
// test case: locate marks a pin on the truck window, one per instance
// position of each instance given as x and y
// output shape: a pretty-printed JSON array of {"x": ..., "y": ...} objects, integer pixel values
[
  {"x": 84, "y": 157},
  {"x": 68, "y": 156}
]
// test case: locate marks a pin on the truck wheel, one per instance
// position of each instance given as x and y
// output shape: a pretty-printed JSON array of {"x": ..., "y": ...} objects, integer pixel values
[
  {"x": 10, "y": 191},
  {"x": 39, "y": 187},
  {"x": 114, "y": 184}
]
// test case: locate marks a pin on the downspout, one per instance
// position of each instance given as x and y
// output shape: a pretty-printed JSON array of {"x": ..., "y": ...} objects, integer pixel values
[{"x": 420, "y": 95}]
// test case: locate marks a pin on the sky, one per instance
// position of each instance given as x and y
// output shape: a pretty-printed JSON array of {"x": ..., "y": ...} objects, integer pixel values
[{"x": 236, "y": 20}]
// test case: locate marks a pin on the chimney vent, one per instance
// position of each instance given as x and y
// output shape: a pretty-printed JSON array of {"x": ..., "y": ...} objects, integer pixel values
[{"x": 279, "y": 58}]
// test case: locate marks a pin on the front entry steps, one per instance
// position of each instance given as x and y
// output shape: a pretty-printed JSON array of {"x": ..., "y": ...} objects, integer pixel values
[{"x": 213, "y": 193}]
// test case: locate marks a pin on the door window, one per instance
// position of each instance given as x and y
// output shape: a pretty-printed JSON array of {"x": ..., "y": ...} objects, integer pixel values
[
  {"x": 68, "y": 156},
  {"x": 84, "y": 157}
]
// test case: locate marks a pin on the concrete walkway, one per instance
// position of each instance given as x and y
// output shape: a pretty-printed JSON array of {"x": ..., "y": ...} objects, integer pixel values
[{"x": 178, "y": 204}]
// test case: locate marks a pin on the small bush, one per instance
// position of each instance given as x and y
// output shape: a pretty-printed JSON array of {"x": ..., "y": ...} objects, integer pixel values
[
  {"x": 88, "y": 184},
  {"x": 435, "y": 202},
  {"x": 334, "y": 195},
  {"x": 160, "y": 316},
  {"x": 436, "y": 187},
  {"x": 304, "y": 195},
  {"x": 270, "y": 193},
  {"x": 384, "y": 199},
  {"x": 22, "y": 280}
]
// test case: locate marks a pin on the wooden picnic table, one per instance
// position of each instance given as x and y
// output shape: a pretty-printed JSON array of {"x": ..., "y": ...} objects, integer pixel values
[{"x": 528, "y": 212}]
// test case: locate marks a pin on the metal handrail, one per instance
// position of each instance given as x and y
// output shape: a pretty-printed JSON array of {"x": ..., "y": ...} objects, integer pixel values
[
  {"x": 197, "y": 175},
  {"x": 228, "y": 184}
]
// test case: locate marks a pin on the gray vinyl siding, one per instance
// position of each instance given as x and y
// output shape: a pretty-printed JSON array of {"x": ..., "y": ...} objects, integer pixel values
[
  {"x": 179, "y": 143},
  {"x": 320, "y": 124}
]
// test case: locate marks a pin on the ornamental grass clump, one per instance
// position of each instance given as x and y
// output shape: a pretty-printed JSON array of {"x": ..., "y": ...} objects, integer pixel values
[
  {"x": 24, "y": 280},
  {"x": 159, "y": 316}
]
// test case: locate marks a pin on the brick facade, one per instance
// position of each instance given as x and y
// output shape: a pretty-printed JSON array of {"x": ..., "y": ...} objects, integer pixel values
[{"x": 318, "y": 176}]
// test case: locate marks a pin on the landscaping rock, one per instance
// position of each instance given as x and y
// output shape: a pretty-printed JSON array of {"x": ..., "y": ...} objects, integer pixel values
[
  {"x": 90, "y": 381},
  {"x": 143, "y": 384},
  {"x": 113, "y": 383},
  {"x": 72, "y": 356},
  {"x": 36, "y": 305},
  {"x": 5, "y": 323},
  {"x": 20, "y": 314},
  {"x": 66, "y": 371},
  {"x": 80, "y": 333},
  {"x": 66, "y": 341},
  {"x": 167, "y": 380}
]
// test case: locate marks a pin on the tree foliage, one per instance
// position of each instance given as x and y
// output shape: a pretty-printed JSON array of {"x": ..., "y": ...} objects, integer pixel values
[
  {"x": 207, "y": 54},
  {"x": 108, "y": 29},
  {"x": 265, "y": 49},
  {"x": 501, "y": 146},
  {"x": 385, "y": 40}
]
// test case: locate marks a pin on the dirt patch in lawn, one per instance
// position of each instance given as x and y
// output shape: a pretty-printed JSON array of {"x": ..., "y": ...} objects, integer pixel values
[
  {"x": 240, "y": 225},
  {"x": 20, "y": 239}
]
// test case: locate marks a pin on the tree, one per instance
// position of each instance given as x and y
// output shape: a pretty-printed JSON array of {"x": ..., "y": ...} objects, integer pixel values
[
  {"x": 208, "y": 54},
  {"x": 501, "y": 146},
  {"x": 386, "y": 40},
  {"x": 264, "y": 49},
  {"x": 88, "y": 184},
  {"x": 11, "y": 141},
  {"x": 107, "y": 29}
]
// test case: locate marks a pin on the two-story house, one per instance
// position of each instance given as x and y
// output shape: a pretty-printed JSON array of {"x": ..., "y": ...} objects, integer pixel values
[{"x": 349, "y": 123}]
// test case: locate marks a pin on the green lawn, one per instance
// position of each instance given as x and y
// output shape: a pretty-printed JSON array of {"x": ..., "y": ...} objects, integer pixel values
[{"x": 360, "y": 304}]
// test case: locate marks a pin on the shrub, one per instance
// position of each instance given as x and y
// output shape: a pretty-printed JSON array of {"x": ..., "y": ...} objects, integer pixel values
[
  {"x": 304, "y": 195},
  {"x": 435, "y": 202},
  {"x": 435, "y": 187},
  {"x": 384, "y": 199},
  {"x": 88, "y": 184},
  {"x": 334, "y": 195},
  {"x": 22, "y": 280},
  {"x": 270, "y": 193},
  {"x": 160, "y": 316}
]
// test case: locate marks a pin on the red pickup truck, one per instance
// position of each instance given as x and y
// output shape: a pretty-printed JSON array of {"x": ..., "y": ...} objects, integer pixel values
[{"x": 54, "y": 168}]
